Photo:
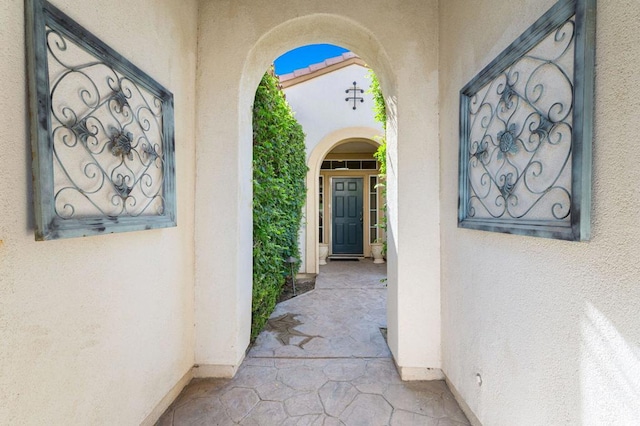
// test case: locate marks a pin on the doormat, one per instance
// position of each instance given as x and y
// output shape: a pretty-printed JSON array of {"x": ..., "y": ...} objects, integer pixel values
[{"x": 344, "y": 259}]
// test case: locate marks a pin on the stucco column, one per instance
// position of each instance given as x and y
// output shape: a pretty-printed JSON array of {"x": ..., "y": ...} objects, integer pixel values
[
  {"x": 414, "y": 228},
  {"x": 223, "y": 236}
]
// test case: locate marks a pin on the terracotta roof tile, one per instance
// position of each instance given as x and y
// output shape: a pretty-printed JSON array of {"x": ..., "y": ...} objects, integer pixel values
[{"x": 319, "y": 66}]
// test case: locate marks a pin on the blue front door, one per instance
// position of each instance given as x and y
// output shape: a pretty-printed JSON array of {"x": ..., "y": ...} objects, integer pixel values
[{"x": 347, "y": 216}]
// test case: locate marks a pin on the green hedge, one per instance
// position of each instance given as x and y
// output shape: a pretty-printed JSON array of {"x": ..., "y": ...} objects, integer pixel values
[
  {"x": 380, "y": 115},
  {"x": 279, "y": 171}
]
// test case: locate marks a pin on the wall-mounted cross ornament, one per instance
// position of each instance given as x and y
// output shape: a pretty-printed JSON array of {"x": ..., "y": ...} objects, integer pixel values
[{"x": 355, "y": 98}]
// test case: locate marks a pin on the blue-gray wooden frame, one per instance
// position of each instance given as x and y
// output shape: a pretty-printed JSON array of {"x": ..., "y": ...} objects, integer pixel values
[
  {"x": 49, "y": 226},
  {"x": 583, "y": 95}
]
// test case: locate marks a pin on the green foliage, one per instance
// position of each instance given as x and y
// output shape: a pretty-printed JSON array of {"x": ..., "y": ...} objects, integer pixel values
[
  {"x": 380, "y": 115},
  {"x": 279, "y": 171},
  {"x": 381, "y": 156},
  {"x": 379, "y": 107}
]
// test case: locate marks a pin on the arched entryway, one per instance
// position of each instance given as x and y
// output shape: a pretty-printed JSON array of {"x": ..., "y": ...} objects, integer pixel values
[
  {"x": 349, "y": 199},
  {"x": 226, "y": 88},
  {"x": 317, "y": 156}
]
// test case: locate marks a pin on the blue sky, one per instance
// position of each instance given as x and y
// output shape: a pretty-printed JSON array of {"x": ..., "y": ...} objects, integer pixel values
[{"x": 304, "y": 56}]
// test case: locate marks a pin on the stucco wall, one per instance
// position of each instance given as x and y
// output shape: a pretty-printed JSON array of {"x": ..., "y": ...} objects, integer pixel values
[
  {"x": 237, "y": 42},
  {"x": 552, "y": 327},
  {"x": 96, "y": 330},
  {"x": 320, "y": 107}
]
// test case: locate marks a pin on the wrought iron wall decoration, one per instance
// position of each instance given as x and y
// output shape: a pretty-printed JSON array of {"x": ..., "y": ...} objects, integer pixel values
[
  {"x": 526, "y": 129},
  {"x": 102, "y": 134},
  {"x": 354, "y": 97}
]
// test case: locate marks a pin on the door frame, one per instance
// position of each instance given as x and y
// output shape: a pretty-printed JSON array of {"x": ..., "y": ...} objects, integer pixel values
[
  {"x": 363, "y": 178},
  {"x": 328, "y": 213}
]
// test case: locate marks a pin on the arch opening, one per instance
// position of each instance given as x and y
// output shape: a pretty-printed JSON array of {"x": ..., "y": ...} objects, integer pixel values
[
  {"x": 336, "y": 30},
  {"x": 315, "y": 29},
  {"x": 329, "y": 143},
  {"x": 223, "y": 312},
  {"x": 318, "y": 29},
  {"x": 313, "y": 80}
]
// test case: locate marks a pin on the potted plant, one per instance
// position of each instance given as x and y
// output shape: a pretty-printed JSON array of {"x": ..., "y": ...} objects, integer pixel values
[
  {"x": 377, "y": 250},
  {"x": 323, "y": 252}
]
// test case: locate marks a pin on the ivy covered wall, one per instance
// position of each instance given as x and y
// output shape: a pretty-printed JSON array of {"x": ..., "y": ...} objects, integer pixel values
[{"x": 279, "y": 171}]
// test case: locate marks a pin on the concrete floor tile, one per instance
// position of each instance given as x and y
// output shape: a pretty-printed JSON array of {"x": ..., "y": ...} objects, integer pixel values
[
  {"x": 166, "y": 419},
  {"x": 452, "y": 409},
  {"x": 307, "y": 420},
  {"x": 259, "y": 362},
  {"x": 260, "y": 353},
  {"x": 414, "y": 398},
  {"x": 302, "y": 378},
  {"x": 289, "y": 362},
  {"x": 324, "y": 420},
  {"x": 290, "y": 351},
  {"x": 251, "y": 376},
  {"x": 239, "y": 402},
  {"x": 303, "y": 404},
  {"x": 381, "y": 371},
  {"x": 266, "y": 413},
  {"x": 363, "y": 350},
  {"x": 367, "y": 410},
  {"x": 406, "y": 418},
  {"x": 336, "y": 397},
  {"x": 327, "y": 421},
  {"x": 345, "y": 370},
  {"x": 200, "y": 388},
  {"x": 201, "y": 411},
  {"x": 438, "y": 386},
  {"x": 316, "y": 346},
  {"x": 319, "y": 363},
  {"x": 372, "y": 388},
  {"x": 275, "y": 391}
]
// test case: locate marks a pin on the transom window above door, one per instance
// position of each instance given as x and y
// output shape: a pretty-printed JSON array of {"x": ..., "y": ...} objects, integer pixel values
[{"x": 349, "y": 165}]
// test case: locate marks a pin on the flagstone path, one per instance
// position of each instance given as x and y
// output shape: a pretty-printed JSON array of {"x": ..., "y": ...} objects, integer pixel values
[{"x": 321, "y": 360}]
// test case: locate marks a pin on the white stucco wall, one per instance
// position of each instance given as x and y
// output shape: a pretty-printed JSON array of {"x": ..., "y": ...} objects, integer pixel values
[
  {"x": 320, "y": 107},
  {"x": 96, "y": 330},
  {"x": 552, "y": 326},
  {"x": 237, "y": 42}
]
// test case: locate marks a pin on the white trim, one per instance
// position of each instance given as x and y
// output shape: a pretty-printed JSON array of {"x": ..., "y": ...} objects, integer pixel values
[
  {"x": 375, "y": 191},
  {"x": 216, "y": 371},
  {"x": 410, "y": 374}
]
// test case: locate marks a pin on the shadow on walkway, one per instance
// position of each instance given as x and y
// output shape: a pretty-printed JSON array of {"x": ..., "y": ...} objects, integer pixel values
[{"x": 321, "y": 360}]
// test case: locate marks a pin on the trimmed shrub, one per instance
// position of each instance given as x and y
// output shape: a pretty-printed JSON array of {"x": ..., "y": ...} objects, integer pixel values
[{"x": 279, "y": 193}]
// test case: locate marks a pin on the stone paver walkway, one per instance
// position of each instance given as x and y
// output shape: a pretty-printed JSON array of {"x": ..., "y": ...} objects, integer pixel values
[{"x": 322, "y": 360}]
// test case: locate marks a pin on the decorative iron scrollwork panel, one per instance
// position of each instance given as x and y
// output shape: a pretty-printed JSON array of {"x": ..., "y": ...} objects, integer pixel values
[
  {"x": 523, "y": 167},
  {"x": 103, "y": 137}
]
